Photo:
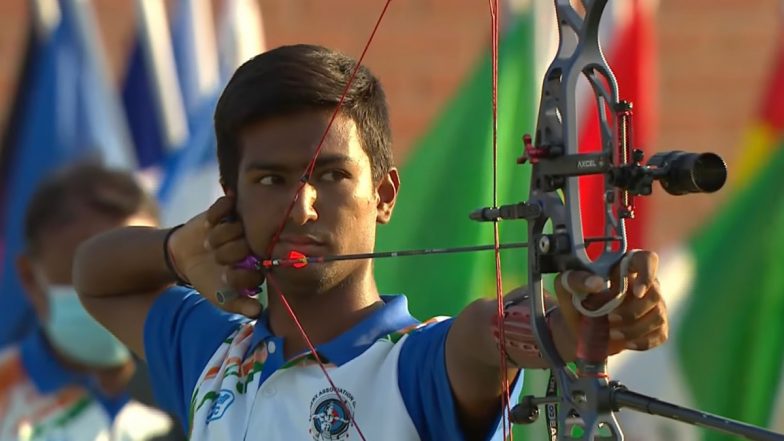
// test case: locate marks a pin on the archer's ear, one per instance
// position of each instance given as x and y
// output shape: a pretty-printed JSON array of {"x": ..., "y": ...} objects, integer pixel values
[
  {"x": 32, "y": 285},
  {"x": 386, "y": 191},
  {"x": 228, "y": 191}
]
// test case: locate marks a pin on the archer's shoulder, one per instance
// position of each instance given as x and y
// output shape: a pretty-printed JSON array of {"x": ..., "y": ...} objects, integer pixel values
[{"x": 429, "y": 326}]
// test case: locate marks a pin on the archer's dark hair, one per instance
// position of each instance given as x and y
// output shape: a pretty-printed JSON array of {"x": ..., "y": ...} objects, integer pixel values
[
  {"x": 292, "y": 79},
  {"x": 59, "y": 197}
]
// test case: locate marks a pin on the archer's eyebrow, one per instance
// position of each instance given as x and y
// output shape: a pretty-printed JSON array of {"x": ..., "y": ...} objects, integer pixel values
[{"x": 323, "y": 160}]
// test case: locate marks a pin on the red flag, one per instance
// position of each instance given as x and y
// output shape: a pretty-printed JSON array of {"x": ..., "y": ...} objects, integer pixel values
[
  {"x": 630, "y": 50},
  {"x": 767, "y": 130}
]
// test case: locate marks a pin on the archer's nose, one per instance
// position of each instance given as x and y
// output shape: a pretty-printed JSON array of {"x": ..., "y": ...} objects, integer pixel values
[{"x": 304, "y": 209}]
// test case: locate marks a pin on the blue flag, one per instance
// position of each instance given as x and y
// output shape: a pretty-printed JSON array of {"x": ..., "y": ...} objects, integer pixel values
[
  {"x": 67, "y": 113},
  {"x": 151, "y": 90},
  {"x": 143, "y": 120},
  {"x": 196, "y": 58},
  {"x": 190, "y": 182}
]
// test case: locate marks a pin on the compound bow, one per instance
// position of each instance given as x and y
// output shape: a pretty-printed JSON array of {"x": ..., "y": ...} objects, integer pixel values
[{"x": 586, "y": 400}]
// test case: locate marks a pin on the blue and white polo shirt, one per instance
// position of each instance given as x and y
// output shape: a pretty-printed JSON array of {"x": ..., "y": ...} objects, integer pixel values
[
  {"x": 226, "y": 378},
  {"x": 40, "y": 400}
]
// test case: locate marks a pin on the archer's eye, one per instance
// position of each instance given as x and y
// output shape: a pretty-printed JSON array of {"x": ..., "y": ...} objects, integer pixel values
[
  {"x": 271, "y": 180},
  {"x": 333, "y": 176}
]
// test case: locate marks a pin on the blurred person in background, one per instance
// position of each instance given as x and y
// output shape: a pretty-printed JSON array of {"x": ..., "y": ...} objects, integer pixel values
[{"x": 71, "y": 378}]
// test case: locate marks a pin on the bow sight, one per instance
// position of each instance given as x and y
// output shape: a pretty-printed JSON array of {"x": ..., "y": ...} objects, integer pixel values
[
  {"x": 586, "y": 399},
  {"x": 680, "y": 173}
]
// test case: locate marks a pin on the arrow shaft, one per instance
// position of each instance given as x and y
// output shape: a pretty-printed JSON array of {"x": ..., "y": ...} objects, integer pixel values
[{"x": 384, "y": 254}]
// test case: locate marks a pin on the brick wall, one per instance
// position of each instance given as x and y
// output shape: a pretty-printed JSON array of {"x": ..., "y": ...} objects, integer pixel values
[
  {"x": 714, "y": 55},
  {"x": 421, "y": 52}
]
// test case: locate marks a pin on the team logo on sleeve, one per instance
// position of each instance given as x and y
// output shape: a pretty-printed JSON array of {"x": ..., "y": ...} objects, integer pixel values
[{"x": 330, "y": 418}]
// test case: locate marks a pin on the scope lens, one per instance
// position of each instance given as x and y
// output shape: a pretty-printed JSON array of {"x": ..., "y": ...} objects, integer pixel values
[
  {"x": 690, "y": 172},
  {"x": 709, "y": 172}
]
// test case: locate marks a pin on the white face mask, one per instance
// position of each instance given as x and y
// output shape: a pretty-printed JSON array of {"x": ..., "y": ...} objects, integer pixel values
[{"x": 78, "y": 336}]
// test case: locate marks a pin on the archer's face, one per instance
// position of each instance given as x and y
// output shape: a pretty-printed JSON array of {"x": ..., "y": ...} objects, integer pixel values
[{"x": 335, "y": 213}]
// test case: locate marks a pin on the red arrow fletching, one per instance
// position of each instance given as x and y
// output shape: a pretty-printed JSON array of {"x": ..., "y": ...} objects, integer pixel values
[{"x": 301, "y": 259}]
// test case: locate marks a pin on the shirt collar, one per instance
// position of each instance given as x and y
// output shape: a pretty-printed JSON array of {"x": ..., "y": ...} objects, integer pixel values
[
  {"x": 44, "y": 369},
  {"x": 49, "y": 376},
  {"x": 393, "y": 316}
]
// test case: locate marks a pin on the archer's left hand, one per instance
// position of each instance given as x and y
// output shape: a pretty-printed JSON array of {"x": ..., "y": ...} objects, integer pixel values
[{"x": 640, "y": 321}]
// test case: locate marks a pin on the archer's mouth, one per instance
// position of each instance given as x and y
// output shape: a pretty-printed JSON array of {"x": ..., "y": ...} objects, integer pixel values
[
  {"x": 305, "y": 244},
  {"x": 300, "y": 239}
]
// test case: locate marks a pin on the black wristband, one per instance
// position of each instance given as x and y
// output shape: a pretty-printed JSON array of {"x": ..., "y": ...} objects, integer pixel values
[{"x": 168, "y": 258}]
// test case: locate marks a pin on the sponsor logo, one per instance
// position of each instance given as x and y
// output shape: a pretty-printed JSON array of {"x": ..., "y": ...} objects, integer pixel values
[{"x": 586, "y": 163}]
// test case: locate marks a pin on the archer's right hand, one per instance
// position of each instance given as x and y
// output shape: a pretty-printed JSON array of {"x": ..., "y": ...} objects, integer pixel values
[
  {"x": 226, "y": 240},
  {"x": 206, "y": 250}
]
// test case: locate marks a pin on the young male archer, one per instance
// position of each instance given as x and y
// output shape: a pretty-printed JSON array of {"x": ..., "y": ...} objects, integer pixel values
[{"x": 230, "y": 377}]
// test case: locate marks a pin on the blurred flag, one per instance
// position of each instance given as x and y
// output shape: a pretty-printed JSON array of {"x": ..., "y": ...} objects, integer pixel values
[
  {"x": 627, "y": 36},
  {"x": 750, "y": 286},
  {"x": 448, "y": 174},
  {"x": 191, "y": 181},
  {"x": 196, "y": 58},
  {"x": 725, "y": 294},
  {"x": 151, "y": 91},
  {"x": 67, "y": 112},
  {"x": 457, "y": 147},
  {"x": 18, "y": 109},
  {"x": 240, "y": 36},
  {"x": 731, "y": 341},
  {"x": 766, "y": 132}
]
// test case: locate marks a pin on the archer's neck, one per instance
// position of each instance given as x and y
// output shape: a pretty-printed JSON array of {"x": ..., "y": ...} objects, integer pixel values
[{"x": 324, "y": 315}]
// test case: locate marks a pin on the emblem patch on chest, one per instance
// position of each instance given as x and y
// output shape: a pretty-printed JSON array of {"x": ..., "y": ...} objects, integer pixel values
[
  {"x": 330, "y": 418},
  {"x": 220, "y": 405}
]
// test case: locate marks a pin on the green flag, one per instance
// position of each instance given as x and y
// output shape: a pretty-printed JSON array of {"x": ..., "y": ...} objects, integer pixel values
[
  {"x": 731, "y": 342},
  {"x": 449, "y": 174}
]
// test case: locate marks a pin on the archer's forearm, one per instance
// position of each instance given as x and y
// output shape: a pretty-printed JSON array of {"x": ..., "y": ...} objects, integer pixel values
[
  {"x": 475, "y": 331},
  {"x": 124, "y": 261}
]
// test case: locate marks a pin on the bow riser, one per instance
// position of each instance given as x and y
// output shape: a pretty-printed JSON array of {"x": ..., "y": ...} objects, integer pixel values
[
  {"x": 557, "y": 165},
  {"x": 560, "y": 163}
]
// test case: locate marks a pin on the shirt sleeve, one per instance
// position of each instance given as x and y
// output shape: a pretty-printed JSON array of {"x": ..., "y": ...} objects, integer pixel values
[
  {"x": 424, "y": 385},
  {"x": 181, "y": 333}
]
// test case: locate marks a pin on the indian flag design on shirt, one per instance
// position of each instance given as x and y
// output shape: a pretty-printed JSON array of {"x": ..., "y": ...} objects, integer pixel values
[{"x": 229, "y": 401}]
